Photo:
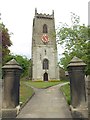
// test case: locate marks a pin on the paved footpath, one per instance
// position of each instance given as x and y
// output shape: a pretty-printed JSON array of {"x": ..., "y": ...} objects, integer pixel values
[{"x": 46, "y": 103}]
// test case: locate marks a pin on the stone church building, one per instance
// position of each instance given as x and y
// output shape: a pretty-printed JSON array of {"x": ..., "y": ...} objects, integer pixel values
[{"x": 44, "y": 48}]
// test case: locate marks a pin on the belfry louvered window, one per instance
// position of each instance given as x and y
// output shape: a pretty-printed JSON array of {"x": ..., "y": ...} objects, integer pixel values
[
  {"x": 45, "y": 29},
  {"x": 45, "y": 64}
]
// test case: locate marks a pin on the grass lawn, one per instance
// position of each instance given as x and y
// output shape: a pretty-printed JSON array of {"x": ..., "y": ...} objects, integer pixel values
[
  {"x": 25, "y": 92},
  {"x": 66, "y": 91},
  {"x": 41, "y": 84}
]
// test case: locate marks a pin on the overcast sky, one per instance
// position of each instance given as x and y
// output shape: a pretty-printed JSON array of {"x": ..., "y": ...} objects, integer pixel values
[{"x": 18, "y": 15}]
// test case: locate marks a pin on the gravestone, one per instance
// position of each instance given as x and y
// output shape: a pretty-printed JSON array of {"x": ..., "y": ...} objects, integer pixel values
[{"x": 11, "y": 83}]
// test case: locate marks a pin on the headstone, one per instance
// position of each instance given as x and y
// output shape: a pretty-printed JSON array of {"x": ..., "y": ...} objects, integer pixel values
[{"x": 11, "y": 76}]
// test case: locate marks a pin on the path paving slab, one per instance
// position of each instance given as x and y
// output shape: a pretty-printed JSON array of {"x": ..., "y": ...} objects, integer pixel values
[{"x": 46, "y": 103}]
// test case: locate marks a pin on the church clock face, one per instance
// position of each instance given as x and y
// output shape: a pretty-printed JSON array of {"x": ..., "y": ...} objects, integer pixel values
[{"x": 45, "y": 38}]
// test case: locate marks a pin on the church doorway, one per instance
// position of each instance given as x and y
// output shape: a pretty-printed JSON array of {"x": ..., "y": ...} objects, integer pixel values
[{"x": 45, "y": 77}]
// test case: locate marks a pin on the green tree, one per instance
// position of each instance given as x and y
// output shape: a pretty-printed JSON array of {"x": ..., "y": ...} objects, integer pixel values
[
  {"x": 74, "y": 38},
  {"x": 6, "y": 42},
  {"x": 88, "y": 53},
  {"x": 26, "y": 65},
  {"x": 24, "y": 62}
]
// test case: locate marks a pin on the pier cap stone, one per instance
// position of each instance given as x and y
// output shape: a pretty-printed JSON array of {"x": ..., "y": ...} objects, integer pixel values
[
  {"x": 76, "y": 62},
  {"x": 12, "y": 64}
]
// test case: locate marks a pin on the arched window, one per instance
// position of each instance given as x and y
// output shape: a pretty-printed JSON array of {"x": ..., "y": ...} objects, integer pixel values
[
  {"x": 45, "y": 64},
  {"x": 45, "y": 30}
]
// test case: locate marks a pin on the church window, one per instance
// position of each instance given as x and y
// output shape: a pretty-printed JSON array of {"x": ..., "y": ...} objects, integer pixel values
[
  {"x": 45, "y": 52},
  {"x": 45, "y": 30},
  {"x": 45, "y": 64}
]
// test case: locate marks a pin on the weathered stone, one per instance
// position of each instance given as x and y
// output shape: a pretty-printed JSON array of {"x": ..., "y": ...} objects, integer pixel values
[
  {"x": 9, "y": 113},
  {"x": 11, "y": 83},
  {"x": 12, "y": 64},
  {"x": 77, "y": 81},
  {"x": 76, "y": 62},
  {"x": 86, "y": 86},
  {"x": 88, "y": 96},
  {"x": 42, "y": 50}
]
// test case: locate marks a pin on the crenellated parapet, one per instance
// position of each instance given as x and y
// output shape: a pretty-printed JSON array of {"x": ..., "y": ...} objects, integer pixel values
[{"x": 40, "y": 15}]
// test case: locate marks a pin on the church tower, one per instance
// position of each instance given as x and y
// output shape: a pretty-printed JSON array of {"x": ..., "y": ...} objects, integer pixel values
[{"x": 44, "y": 48}]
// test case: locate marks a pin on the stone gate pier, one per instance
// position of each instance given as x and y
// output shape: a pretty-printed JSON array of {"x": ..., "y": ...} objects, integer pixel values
[
  {"x": 76, "y": 70},
  {"x": 11, "y": 76},
  {"x": 88, "y": 96}
]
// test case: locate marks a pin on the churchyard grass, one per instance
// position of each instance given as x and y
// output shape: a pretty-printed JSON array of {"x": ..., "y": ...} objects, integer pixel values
[
  {"x": 41, "y": 84},
  {"x": 25, "y": 92},
  {"x": 66, "y": 91}
]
